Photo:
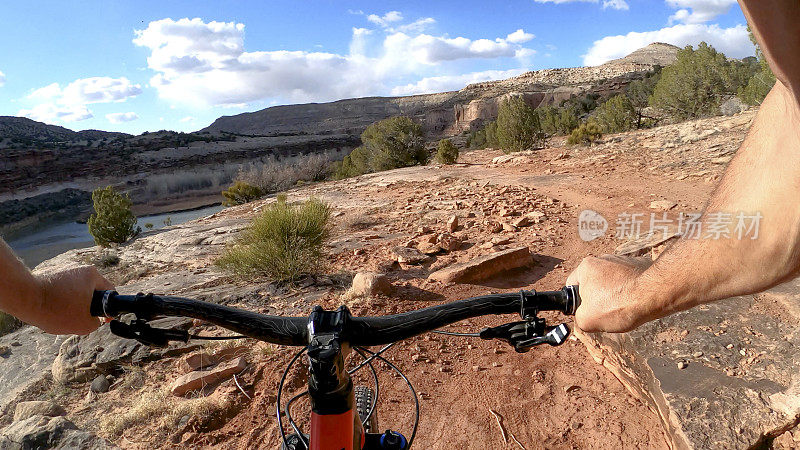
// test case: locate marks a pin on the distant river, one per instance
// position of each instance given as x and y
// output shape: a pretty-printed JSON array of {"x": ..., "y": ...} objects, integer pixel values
[{"x": 56, "y": 239}]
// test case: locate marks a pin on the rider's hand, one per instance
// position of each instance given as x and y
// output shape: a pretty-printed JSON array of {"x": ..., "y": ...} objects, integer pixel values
[
  {"x": 607, "y": 301},
  {"x": 65, "y": 300}
]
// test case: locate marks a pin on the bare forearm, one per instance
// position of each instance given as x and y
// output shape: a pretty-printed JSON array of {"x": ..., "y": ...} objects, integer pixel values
[
  {"x": 20, "y": 292},
  {"x": 763, "y": 178},
  {"x": 58, "y": 303}
]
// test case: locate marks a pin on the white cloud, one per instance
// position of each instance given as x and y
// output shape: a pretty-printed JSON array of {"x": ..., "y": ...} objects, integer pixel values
[
  {"x": 387, "y": 19},
  {"x": 613, "y": 4},
  {"x": 89, "y": 90},
  {"x": 734, "y": 41},
  {"x": 68, "y": 104},
  {"x": 519, "y": 37},
  {"x": 698, "y": 11},
  {"x": 186, "y": 119},
  {"x": 51, "y": 112},
  {"x": 427, "y": 49},
  {"x": 122, "y": 117},
  {"x": 2, "y": 79},
  {"x": 206, "y": 63},
  {"x": 417, "y": 26},
  {"x": 453, "y": 82},
  {"x": 616, "y": 4}
]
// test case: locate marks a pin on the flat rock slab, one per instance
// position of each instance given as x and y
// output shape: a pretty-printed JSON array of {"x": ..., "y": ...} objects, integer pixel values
[
  {"x": 723, "y": 375},
  {"x": 39, "y": 432},
  {"x": 31, "y": 352},
  {"x": 483, "y": 267}
]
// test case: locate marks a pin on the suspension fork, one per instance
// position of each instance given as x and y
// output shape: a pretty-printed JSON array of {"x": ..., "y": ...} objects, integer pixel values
[{"x": 334, "y": 422}]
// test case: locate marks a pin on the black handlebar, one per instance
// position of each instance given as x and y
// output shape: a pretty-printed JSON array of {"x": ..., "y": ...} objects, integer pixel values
[{"x": 359, "y": 331}]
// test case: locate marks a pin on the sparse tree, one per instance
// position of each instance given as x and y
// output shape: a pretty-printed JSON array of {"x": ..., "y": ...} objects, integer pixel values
[
  {"x": 447, "y": 152},
  {"x": 113, "y": 221},
  {"x": 639, "y": 92},
  {"x": 518, "y": 126},
  {"x": 759, "y": 85},
  {"x": 394, "y": 142},
  {"x": 696, "y": 84},
  {"x": 616, "y": 115}
]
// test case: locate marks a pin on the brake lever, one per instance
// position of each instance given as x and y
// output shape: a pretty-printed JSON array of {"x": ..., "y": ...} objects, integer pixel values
[
  {"x": 141, "y": 331},
  {"x": 524, "y": 334}
]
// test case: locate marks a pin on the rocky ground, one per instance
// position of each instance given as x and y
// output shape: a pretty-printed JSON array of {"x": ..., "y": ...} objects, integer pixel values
[{"x": 421, "y": 228}]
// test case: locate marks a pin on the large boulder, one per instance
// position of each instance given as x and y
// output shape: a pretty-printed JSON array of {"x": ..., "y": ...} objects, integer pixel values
[{"x": 40, "y": 432}]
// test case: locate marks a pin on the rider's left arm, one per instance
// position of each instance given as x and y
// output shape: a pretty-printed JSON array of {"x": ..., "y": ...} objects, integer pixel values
[{"x": 57, "y": 303}]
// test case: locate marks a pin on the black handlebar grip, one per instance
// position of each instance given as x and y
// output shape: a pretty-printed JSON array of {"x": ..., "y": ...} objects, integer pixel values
[{"x": 99, "y": 301}]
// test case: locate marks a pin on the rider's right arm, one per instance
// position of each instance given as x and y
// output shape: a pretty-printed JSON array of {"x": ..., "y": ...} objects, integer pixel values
[
  {"x": 776, "y": 24},
  {"x": 763, "y": 178}
]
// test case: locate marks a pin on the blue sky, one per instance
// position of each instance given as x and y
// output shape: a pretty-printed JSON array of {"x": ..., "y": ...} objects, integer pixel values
[{"x": 151, "y": 65}]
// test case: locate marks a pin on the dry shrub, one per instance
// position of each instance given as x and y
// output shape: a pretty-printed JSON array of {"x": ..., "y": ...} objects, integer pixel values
[
  {"x": 273, "y": 175},
  {"x": 285, "y": 242},
  {"x": 8, "y": 323},
  {"x": 164, "y": 408}
]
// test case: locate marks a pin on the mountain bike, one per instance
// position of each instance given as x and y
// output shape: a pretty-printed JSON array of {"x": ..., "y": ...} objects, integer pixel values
[{"x": 343, "y": 417}]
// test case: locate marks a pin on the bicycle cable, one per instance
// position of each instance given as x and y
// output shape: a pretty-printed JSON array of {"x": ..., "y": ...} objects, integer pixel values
[
  {"x": 278, "y": 399},
  {"x": 410, "y": 387},
  {"x": 453, "y": 333}
]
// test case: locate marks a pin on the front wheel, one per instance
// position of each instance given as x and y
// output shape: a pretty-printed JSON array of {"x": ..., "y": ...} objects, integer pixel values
[{"x": 364, "y": 398}]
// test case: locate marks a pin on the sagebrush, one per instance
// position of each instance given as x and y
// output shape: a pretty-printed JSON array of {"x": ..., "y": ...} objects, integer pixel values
[
  {"x": 272, "y": 175},
  {"x": 284, "y": 242}
]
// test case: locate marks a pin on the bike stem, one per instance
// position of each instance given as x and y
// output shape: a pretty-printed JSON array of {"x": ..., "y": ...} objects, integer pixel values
[{"x": 334, "y": 423}]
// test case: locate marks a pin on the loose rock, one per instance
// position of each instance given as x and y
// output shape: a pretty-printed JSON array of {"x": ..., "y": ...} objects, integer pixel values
[
  {"x": 662, "y": 205},
  {"x": 196, "y": 361},
  {"x": 452, "y": 224},
  {"x": 100, "y": 384},
  {"x": 448, "y": 242},
  {"x": 197, "y": 379},
  {"x": 49, "y": 432},
  {"x": 366, "y": 284},
  {"x": 411, "y": 256}
]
